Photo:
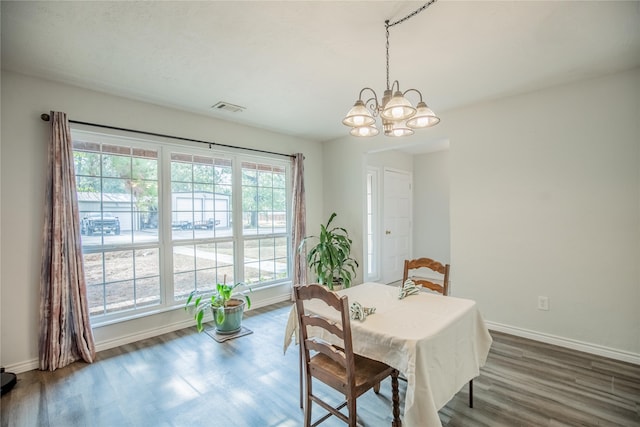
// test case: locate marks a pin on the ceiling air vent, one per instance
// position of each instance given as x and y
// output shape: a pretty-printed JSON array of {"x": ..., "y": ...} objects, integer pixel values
[{"x": 227, "y": 106}]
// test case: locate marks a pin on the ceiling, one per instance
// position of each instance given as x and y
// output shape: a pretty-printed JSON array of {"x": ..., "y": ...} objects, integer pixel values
[{"x": 298, "y": 66}]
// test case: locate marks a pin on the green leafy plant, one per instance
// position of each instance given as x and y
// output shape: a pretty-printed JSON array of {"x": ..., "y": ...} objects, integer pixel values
[
  {"x": 221, "y": 298},
  {"x": 330, "y": 259}
]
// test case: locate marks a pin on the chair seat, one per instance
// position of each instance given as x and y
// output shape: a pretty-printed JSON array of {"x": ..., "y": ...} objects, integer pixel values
[{"x": 368, "y": 372}]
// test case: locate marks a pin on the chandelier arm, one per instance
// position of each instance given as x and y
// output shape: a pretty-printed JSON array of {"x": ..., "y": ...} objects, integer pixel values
[
  {"x": 395, "y": 84},
  {"x": 372, "y": 91},
  {"x": 373, "y": 105},
  {"x": 413, "y": 90}
]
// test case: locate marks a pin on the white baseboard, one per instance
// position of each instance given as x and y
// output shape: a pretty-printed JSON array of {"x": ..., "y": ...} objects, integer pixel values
[
  {"x": 27, "y": 365},
  {"x": 586, "y": 347},
  {"x": 30, "y": 365}
]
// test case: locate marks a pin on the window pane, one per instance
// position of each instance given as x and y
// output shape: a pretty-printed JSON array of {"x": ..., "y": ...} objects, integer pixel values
[
  {"x": 203, "y": 172},
  {"x": 145, "y": 219},
  {"x": 147, "y": 263},
  {"x": 265, "y": 179},
  {"x": 249, "y": 174},
  {"x": 95, "y": 297},
  {"x": 205, "y": 256},
  {"x": 117, "y": 191},
  {"x": 182, "y": 210},
  {"x": 181, "y": 172},
  {"x": 116, "y": 166},
  {"x": 183, "y": 258},
  {"x": 147, "y": 292},
  {"x": 265, "y": 259},
  {"x": 183, "y": 284},
  {"x": 225, "y": 262},
  {"x": 119, "y": 296},
  {"x": 206, "y": 280},
  {"x": 86, "y": 186},
  {"x": 279, "y": 200},
  {"x": 145, "y": 169},
  {"x": 279, "y": 178},
  {"x": 87, "y": 164},
  {"x": 265, "y": 199},
  {"x": 223, "y": 172},
  {"x": 118, "y": 266},
  {"x": 93, "y": 268}
]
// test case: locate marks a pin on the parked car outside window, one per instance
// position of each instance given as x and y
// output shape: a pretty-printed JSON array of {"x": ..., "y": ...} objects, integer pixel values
[{"x": 96, "y": 222}]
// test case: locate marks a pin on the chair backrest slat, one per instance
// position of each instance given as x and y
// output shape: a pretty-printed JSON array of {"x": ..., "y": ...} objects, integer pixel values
[
  {"x": 415, "y": 264},
  {"x": 331, "y": 351},
  {"x": 332, "y": 327}
]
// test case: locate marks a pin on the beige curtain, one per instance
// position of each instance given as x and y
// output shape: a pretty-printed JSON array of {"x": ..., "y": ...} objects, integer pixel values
[
  {"x": 65, "y": 331},
  {"x": 299, "y": 224}
]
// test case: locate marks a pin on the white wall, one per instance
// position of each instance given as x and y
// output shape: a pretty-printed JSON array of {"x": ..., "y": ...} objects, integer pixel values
[
  {"x": 391, "y": 159},
  {"x": 431, "y": 217},
  {"x": 23, "y": 172},
  {"x": 545, "y": 200}
]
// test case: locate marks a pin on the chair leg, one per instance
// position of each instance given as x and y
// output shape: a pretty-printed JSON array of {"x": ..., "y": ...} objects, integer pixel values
[
  {"x": 353, "y": 415},
  {"x": 395, "y": 398},
  {"x": 307, "y": 407},
  {"x": 301, "y": 373},
  {"x": 471, "y": 393}
]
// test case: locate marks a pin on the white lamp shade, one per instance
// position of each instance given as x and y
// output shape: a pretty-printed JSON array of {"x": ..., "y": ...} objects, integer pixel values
[
  {"x": 398, "y": 108},
  {"x": 423, "y": 118},
  {"x": 358, "y": 116},
  {"x": 364, "y": 131}
]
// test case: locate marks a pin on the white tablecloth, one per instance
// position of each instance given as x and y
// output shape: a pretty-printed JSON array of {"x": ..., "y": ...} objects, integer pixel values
[{"x": 438, "y": 343}]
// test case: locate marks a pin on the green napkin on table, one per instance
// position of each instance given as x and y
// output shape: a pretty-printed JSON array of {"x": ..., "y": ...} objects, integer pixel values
[
  {"x": 358, "y": 312},
  {"x": 408, "y": 288}
]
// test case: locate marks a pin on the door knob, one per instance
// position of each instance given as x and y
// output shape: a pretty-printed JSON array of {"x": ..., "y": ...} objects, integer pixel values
[{"x": 387, "y": 232}]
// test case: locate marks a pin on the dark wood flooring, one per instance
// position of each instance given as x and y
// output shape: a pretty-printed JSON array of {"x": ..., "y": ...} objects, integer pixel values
[{"x": 187, "y": 379}]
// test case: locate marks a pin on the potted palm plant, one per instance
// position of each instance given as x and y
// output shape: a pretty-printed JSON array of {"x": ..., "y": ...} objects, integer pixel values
[
  {"x": 330, "y": 258},
  {"x": 227, "y": 305}
]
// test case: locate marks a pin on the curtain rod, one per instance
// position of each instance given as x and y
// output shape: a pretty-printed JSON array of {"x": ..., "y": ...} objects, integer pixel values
[{"x": 46, "y": 118}]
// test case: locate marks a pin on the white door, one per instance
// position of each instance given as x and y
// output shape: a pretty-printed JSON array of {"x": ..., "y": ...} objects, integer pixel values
[{"x": 397, "y": 224}]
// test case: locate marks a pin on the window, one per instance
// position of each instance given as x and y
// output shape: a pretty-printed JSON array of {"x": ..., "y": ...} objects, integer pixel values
[
  {"x": 264, "y": 226},
  {"x": 158, "y": 221},
  {"x": 201, "y": 218},
  {"x": 371, "y": 243}
]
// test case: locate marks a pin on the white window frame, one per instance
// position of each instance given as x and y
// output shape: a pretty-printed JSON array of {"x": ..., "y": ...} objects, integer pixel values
[{"x": 165, "y": 242}]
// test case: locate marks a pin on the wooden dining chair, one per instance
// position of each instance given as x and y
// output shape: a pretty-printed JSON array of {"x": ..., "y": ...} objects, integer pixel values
[
  {"x": 411, "y": 266},
  {"x": 337, "y": 365}
]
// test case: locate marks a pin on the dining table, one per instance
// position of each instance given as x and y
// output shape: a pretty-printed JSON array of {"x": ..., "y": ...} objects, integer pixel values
[{"x": 438, "y": 343}]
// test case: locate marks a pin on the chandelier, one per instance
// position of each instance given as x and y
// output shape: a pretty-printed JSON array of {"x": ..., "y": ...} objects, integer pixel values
[{"x": 398, "y": 116}]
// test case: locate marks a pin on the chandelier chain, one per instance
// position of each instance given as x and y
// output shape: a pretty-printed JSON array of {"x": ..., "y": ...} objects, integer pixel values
[
  {"x": 387, "y": 28},
  {"x": 398, "y": 115},
  {"x": 412, "y": 14},
  {"x": 400, "y": 21}
]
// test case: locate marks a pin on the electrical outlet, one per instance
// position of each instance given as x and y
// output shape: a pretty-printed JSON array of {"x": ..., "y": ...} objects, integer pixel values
[{"x": 543, "y": 303}]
